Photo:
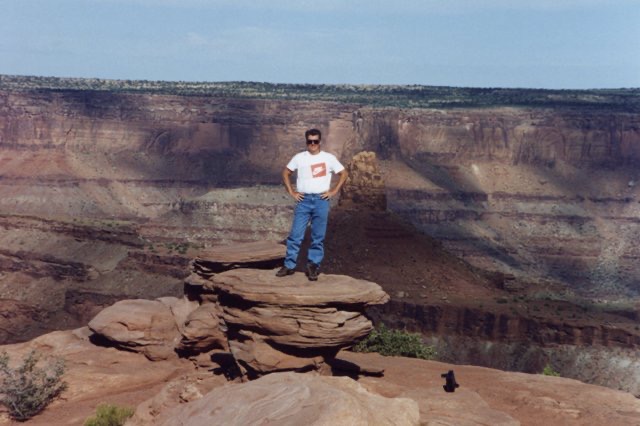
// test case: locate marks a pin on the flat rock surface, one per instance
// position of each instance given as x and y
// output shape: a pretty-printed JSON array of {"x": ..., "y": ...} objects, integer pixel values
[
  {"x": 257, "y": 251},
  {"x": 263, "y": 287},
  {"x": 295, "y": 399}
]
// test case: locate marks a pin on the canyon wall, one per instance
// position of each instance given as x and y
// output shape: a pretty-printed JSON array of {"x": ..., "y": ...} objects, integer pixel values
[
  {"x": 105, "y": 195},
  {"x": 541, "y": 194}
]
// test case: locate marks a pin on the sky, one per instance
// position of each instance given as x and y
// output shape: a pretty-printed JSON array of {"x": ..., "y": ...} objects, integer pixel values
[{"x": 553, "y": 44}]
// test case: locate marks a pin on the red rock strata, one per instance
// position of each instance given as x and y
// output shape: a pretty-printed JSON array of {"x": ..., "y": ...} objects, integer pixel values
[{"x": 95, "y": 187}]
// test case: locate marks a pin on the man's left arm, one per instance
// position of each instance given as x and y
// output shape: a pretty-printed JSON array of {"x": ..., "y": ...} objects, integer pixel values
[{"x": 342, "y": 179}]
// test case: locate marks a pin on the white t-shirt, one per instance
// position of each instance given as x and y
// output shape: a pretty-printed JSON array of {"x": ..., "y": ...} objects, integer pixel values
[{"x": 314, "y": 171}]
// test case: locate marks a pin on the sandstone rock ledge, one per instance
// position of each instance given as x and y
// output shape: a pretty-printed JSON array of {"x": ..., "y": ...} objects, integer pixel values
[{"x": 277, "y": 324}]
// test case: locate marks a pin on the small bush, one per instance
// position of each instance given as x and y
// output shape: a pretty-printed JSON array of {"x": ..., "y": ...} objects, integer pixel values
[
  {"x": 395, "y": 343},
  {"x": 549, "y": 371},
  {"x": 109, "y": 415},
  {"x": 25, "y": 391}
]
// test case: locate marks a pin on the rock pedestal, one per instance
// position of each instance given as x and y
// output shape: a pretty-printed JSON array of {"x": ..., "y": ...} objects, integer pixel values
[
  {"x": 289, "y": 323},
  {"x": 264, "y": 322}
]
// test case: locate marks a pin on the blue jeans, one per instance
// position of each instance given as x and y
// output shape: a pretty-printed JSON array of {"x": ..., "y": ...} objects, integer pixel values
[{"x": 312, "y": 208}]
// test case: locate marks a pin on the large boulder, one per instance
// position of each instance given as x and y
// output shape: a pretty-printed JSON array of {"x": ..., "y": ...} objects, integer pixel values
[
  {"x": 295, "y": 399},
  {"x": 277, "y": 324},
  {"x": 151, "y": 327}
]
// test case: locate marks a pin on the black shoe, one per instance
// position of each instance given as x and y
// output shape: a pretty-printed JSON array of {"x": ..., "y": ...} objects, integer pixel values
[
  {"x": 284, "y": 271},
  {"x": 313, "y": 271}
]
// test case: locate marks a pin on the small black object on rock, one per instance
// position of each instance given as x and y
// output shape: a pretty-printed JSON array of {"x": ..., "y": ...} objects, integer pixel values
[
  {"x": 284, "y": 271},
  {"x": 451, "y": 384},
  {"x": 312, "y": 271}
]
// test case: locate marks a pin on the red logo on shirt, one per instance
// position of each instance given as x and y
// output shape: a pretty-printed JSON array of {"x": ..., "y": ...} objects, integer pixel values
[{"x": 318, "y": 170}]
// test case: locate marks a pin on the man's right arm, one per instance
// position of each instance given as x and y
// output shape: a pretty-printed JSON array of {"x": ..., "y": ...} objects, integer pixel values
[{"x": 286, "y": 178}]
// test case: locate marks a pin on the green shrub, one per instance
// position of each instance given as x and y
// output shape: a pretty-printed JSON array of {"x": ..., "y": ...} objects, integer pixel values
[
  {"x": 26, "y": 390},
  {"x": 109, "y": 415},
  {"x": 395, "y": 343},
  {"x": 549, "y": 371}
]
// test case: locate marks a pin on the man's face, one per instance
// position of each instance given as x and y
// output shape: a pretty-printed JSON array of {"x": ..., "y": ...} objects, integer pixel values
[{"x": 313, "y": 144}]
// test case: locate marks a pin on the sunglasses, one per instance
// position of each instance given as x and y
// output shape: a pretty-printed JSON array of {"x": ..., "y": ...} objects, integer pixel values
[{"x": 313, "y": 141}]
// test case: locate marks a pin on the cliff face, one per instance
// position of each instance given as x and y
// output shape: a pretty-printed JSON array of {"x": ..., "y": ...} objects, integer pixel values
[
  {"x": 530, "y": 192},
  {"x": 510, "y": 136},
  {"x": 552, "y": 193}
]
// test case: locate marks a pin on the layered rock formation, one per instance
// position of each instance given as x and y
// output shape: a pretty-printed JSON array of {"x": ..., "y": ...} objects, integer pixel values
[
  {"x": 497, "y": 185},
  {"x": 282, "y": 324},
  {"x": 98, "y": 190},
  {"x": 266, "y": 323}
]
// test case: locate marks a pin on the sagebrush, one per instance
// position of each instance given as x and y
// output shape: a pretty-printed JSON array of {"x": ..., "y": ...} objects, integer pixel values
[
  {"x": 548, "y": 370},
  {"x": 28, "y": 389},
  {"x": 109, "y": 415},
  {"x": 389, "y": 342}
]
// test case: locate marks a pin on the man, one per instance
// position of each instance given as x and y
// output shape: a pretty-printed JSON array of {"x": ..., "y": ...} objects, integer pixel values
[{"x": 312, "y": 194}]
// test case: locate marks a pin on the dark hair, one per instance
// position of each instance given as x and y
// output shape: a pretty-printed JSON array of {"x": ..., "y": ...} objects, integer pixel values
[{"x": 313, "y": 132}]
